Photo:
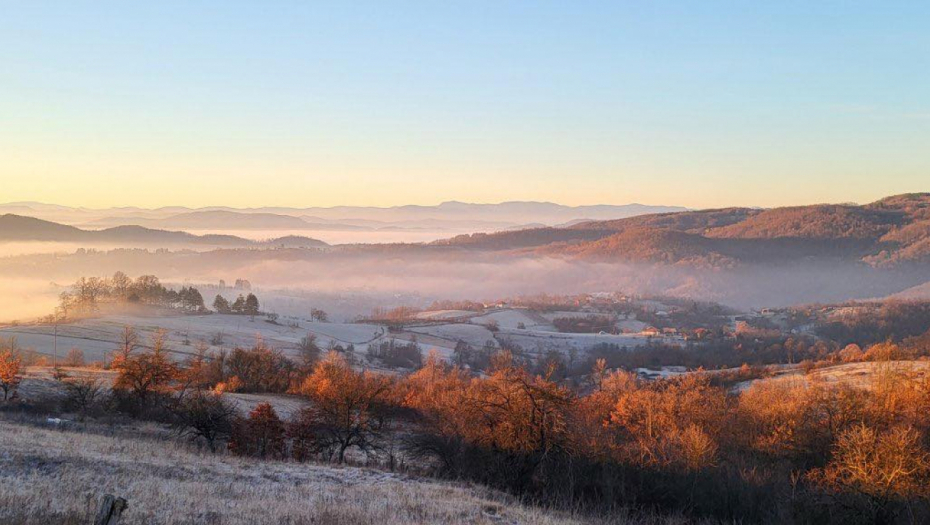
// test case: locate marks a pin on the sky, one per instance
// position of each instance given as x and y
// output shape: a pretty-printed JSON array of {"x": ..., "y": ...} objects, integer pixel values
[{"x": 700, "y": 104}]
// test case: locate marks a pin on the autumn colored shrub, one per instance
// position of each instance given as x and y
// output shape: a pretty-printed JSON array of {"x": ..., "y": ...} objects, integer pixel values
[
  {"x": 259, "y": 369},
  {"x": 349, "y": 409},
  {"x": 882, "y": 466},
  {"x": 500, "y": 429},
  {"x": 260, "y": 435},
  {"x": 851, "y": 353},
  {"x": 144, "y": 378},
  {"x": 10, "y": 372},
  {"x": 670, "y": 423},
  {"x": 887, "y": 351}
]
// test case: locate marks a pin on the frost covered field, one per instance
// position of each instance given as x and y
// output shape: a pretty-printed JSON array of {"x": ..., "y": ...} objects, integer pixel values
[
  {"x": 95, "y": 337},
  {"x": 39, "y": 383},
  {"x": 56, "y": 475},
  {"x": 859, "y": 375}
]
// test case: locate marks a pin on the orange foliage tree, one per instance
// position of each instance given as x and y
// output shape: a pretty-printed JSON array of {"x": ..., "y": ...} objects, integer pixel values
[
  {"x": 673, "y": 422},
  {"x": 10, "y": 371},
  {"x": 348, "y": 410},
  {"x": 260, "y": 435},
  {"x": 506, "y": 424},
  {"x": 143, "y": 375}
]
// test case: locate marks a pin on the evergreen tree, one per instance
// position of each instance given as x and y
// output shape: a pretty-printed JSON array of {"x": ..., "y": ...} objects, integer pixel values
[
  {"x": 238, "y": 306},
  {"x": 221, "y": 305},
  {"x": 251, "y": 305}
]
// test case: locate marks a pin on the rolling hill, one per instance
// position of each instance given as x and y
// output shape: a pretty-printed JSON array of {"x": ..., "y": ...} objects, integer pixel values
[
  {"x": 453, "y": 216},
  {"x": 891, "y": 232},
  {"x": 29, "y": 229}
]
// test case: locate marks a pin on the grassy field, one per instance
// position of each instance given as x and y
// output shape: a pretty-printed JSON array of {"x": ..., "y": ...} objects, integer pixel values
[
  {"x": 51, "y": 474},
  {"x": 859, "y": 375},
  {"x": 57, "y": 472},
  {"x": 39, "y": 383}
]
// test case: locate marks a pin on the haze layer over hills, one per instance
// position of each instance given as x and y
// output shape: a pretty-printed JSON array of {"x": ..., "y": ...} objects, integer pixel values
[
  {"x": 743, "y": 257},
  {"x": 420, "y": 222}
]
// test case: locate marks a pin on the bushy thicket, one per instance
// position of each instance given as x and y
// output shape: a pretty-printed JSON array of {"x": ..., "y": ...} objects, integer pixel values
[{"x": 782, "y": 451}]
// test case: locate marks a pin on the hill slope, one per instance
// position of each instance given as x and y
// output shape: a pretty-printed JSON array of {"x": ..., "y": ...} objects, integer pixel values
[
  {"x": 20, "y": 228},
  {"x": 889, "y": 232},
  {"x": 56, "y": 476}
]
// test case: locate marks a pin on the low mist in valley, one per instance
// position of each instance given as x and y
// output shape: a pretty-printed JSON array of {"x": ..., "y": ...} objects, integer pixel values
[
  {"x": 376, "y": 279},
  {"x": 26, "y": 299}
]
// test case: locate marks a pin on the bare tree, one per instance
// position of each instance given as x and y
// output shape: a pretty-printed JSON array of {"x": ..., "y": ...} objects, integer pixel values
[
  {"x": 82, "y": 393},
  {"x": 309, "y": 352},
  {"x": 75, "y": 358},
  {"x": 205, "y": 415},
  {"x": 129, "y": 341},
  {"x": 319, "y": 315}
]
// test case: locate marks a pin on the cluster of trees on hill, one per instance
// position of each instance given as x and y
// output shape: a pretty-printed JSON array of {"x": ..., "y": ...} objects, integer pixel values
[
  {"x": 243, "y": 305},
  {"x": 869, "y": 324},
  {"x": 88, "y": 293},
  {"x": 397, "y": 354},
  {"x": 471, "y": 306},
  {"x": 587, "y": 324},
  {"x": 395, "y": 317}
]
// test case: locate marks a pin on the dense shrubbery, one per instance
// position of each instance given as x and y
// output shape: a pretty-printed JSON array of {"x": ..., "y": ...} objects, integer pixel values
[
  {"x": 589, "y": 324},
  {"x": 396, "y": 354},
  {"x": 783, "y": 451},
  {"x": 716, "y": 353}
]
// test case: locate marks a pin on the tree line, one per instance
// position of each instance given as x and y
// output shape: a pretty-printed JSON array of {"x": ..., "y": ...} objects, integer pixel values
[{"x": 87, "y": 294}]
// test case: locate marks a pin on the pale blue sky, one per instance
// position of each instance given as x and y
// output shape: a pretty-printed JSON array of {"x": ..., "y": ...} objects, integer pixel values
[{"x": 701, "y": 104}]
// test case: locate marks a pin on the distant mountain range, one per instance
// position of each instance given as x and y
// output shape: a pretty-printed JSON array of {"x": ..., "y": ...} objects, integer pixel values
[
  {"x": 454, "y": 217},
  {"x": 17, "y": 228},
  {"x": 886, "y": 233}
]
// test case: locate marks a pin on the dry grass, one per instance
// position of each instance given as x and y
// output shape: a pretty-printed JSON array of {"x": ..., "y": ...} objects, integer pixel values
[
  {"x": 51, "y": 475},
  {"x": 859, "y": 375},
  {"x": 39, "y": 383}
]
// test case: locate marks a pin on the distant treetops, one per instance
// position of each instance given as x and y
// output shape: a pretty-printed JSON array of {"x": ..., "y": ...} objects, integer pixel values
[
  {"x": 87, "y": 294},
  {"x": 243, "y": 305}
]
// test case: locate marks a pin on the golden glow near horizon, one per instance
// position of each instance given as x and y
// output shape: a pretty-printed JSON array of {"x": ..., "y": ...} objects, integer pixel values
[{"x": 211, "y": 184}]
